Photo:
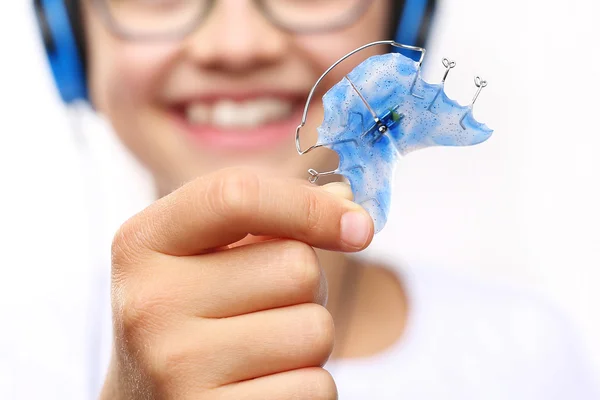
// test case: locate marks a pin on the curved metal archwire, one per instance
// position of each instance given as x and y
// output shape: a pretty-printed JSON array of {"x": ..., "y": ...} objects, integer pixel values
[{"x": 314, "y": 88}]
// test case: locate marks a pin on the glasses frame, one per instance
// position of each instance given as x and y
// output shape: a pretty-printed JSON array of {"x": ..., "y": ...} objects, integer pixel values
[{"x": 112, "y": 25}]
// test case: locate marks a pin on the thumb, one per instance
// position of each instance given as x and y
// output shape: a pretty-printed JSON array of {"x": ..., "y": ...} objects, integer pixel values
[{"x": 338, "y": 189}]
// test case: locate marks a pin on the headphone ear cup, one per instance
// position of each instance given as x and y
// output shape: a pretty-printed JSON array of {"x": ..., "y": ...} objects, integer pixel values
[
  {"x": 62, "y": 50},
  {"x": 413, "y": 25}
]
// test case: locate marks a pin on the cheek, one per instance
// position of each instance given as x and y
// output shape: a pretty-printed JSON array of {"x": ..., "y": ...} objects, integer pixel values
[
  {"x": 121, "y": 71},
  {"x": 130, "y": 74},
  {"x": 126, "y": 80}
]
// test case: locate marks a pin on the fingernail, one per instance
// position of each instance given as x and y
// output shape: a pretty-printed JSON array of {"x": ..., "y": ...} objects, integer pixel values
[
  {"x": 355, "y": 229},
  {"x": 339, "y": 189}
]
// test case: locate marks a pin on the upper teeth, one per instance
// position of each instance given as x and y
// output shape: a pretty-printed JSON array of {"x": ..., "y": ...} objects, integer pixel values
[{"x": 228, "y": 114}]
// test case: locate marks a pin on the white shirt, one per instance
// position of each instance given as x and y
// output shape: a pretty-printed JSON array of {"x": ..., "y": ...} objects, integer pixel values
[{"x": 470, "y": 340}]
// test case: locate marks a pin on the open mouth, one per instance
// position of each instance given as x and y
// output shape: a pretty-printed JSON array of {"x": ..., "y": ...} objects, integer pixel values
[{"x": 251, "y": 123}]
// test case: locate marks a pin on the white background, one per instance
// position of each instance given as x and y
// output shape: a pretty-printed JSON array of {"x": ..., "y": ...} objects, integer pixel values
[{"x": 521, "y": 208}]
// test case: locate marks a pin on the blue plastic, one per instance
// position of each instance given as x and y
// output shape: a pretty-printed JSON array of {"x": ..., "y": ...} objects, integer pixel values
[
  {"x": 66, "y": 65},
  {"x": 417, "y": 114}
]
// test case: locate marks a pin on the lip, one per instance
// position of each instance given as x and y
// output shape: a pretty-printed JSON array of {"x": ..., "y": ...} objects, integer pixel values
[{"x": 268, "y": 136}]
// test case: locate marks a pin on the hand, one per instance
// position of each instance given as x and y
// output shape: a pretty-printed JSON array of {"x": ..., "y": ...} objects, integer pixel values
[{"x": 198, "y": 317}]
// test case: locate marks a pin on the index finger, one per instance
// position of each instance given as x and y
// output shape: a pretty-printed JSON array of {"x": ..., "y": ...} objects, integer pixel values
[{"x": 224, "y": 207}]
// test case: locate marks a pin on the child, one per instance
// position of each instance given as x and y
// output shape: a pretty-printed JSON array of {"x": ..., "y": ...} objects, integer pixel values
[{"x": 229, "y": 286}]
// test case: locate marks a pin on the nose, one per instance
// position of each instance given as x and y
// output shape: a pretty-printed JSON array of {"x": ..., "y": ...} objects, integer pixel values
[{"x": 236, "y": 36}]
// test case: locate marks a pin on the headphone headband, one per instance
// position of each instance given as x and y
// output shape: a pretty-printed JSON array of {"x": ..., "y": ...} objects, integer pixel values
[{"x": 63, "y": 41}]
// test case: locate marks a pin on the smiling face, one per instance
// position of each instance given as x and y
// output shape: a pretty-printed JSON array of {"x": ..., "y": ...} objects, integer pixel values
[{"x": 230, "y": 93}]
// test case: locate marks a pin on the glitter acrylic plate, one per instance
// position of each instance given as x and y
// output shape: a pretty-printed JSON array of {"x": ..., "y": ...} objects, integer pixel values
[{"x": 383, "y": 110}]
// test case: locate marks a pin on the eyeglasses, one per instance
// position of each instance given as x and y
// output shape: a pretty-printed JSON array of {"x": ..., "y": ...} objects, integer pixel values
[{"x": 174, "y": 19}]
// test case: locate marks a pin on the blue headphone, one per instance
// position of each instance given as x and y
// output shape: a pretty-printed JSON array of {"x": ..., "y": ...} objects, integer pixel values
[{"x": 59, "y": 22}]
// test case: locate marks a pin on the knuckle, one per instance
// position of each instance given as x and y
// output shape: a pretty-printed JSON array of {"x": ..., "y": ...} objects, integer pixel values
[
  {"x": 142, "y": 314},
  {"x": 122, "y": 245},
  {"x": 304, "y": 269},
  {"x": 179, "y": 359},
  {"x": 233, "y": 191},
  {"x": 129, "y": 242},
  {"x": 171, "y": 360}
]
